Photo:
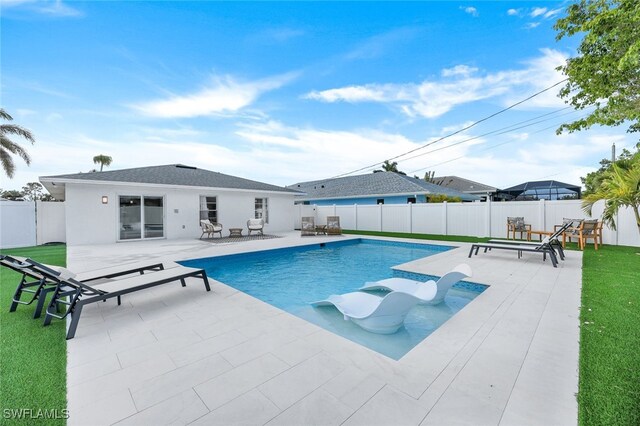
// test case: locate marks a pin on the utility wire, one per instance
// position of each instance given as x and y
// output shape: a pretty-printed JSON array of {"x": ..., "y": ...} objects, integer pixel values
[
  {"x": 501, "y": 131},
  {"x": 457, "y": 131},
  {"x": 487, "y": 148}
]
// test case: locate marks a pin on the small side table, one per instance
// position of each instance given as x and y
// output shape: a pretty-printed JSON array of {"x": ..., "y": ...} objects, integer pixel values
[
  {"x": 321, "y": 230},
  {"x": 235, "y": 232},
  {"x": 540, "y": 233}
]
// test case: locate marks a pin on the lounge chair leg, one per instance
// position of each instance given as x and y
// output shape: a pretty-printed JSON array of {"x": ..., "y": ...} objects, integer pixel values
[
  {"x": 471, "y": 251},
  {"x": 182, "y": 282},
  {"x": 41, "y": 299},
  {"x": 206, "y": 282},
  {"x": 119, "y": 301},
  {"x": 75, "y": 319}
]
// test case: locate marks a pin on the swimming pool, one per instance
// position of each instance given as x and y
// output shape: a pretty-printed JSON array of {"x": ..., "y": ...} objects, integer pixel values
[{"x": 290, "y": 278}]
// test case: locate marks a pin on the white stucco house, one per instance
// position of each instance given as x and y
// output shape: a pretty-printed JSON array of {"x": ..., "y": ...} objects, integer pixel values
[{"x": 164, "y": 202}]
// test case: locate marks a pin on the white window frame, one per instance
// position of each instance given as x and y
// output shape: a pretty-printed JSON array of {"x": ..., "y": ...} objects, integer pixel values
[
  {"x": 262, "y": 213},
  {"x": 205, "y": 208},
  {"x": 142, "y": 218}
]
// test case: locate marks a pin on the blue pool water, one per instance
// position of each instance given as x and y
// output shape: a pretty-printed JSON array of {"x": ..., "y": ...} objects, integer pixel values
[{"x": 291, "y": 278}]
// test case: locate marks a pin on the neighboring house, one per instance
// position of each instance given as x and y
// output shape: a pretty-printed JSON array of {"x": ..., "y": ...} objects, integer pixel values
[
  {"x": 543, "y": 189},
  {"x": 467, "y": 186},
  {"x": 164, "y": 202},
  {"x": 372, "y": 188}
]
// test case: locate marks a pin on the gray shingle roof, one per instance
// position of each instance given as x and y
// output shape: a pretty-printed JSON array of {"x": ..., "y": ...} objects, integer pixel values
[
  {"x": 382, "y": 183},
  {"x": 462, "y": 184},
  {"x": 174, "y": 174}
]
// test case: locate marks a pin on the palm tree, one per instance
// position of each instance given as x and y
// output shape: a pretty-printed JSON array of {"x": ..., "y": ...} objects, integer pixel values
[
  {"x": 389, "y": 167},
  {"x": 620, "y": 187},
  {"x": 8, "y": 147},
  {"x": 103, "y": 160}
]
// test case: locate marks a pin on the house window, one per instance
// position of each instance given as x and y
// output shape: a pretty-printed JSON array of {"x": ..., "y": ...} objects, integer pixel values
[
  {"x": 411, "y": 200},
  {"x": 262, "y": 209},
  {"x": 141, "y": 217},
  {"x": 380, "y": 201},
  {"x": 208, "y": 209}
]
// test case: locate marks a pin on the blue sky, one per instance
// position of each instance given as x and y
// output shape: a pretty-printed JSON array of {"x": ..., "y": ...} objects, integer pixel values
[{"x": 287, "y": 92}]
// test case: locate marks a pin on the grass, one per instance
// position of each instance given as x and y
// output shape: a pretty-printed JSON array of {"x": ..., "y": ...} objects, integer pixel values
[
  {"x": 609, "y": 365},
  {"x": 33, "y": 358},
  {"x": 609, "y": 390}
]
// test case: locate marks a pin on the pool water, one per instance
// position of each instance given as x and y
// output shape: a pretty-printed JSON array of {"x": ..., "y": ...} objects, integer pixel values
[{"x": 291, "y": 278}]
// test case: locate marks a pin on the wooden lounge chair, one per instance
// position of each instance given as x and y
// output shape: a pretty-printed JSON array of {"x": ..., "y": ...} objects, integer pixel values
[
  {"x": 589, "y": 229},
  {"x": 333, "y": 225},
  {"x": 308, "y": 226},
  {"x": 80, "y": 293},
  {"x": 544, "y": 248},
  {"x": 255, "y": 225}
]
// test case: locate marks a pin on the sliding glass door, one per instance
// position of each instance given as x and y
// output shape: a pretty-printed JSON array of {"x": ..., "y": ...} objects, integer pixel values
[{"x": 141, "y": 217}]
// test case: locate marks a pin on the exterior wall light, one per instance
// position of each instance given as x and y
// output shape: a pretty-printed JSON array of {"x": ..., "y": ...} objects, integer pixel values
[{"x": 105, "y": 199}]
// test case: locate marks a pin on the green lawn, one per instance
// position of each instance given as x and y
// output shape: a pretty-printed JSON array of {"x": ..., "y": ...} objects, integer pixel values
[
  {"x": 610, "y": 337},
  {"x": 33, "y": 358},
  {"x": 609, "y": 384}
]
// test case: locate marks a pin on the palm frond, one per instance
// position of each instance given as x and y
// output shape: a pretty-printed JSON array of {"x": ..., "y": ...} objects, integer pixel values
[
  {"x": 5, "y": 115},
  {"x": 13, "y": 129},
  {"x": 7, "y": 144},
  {"x": 7, "y": 163}
]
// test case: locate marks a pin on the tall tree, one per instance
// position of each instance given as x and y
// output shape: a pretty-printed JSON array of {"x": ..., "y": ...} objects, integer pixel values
[
  {"x": 103, "y": 160},
  {"x": 606, "y": 72},
  {"x": 32, "y": 191},
  {"x": 389, "y": 167},
  {"x": 8, "y": 147},
  {"x": 620, "y": 187}
]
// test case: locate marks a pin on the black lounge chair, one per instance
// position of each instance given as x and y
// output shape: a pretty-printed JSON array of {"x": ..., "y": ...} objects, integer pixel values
[
  {"x": 544, "y": 247},
  {"x": 36, "y": 281},
  {"x": 553, "y": 240},
  {"x": 79, "y": 293}
]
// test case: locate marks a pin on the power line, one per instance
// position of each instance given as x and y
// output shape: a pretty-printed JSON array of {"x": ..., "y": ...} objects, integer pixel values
[
  {"x": 457, "y": 131},
  {"x": 487, "y": 148}
]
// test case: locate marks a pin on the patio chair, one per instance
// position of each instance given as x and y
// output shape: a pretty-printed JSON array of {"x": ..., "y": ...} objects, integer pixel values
[
  {"x": 588, "y": 230},
  {"x": 255, "y": 225},
  {"x": 80, "y": 294},
  {"x": 42, "y": 284},
  {"x": 210, "y": 228},
  {"x": 516, "y": 224},
  {"x": 308, "y": 226},
  {"x": 429, "y": 292},
  {"x": 381, "y": 315},
  {"x": 333, "y": 225},
  {"x": 544, "y": 247}
]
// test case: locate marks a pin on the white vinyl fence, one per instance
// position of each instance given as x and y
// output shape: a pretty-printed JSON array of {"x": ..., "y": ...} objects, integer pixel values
[
  {"x": 488, "y": 219},
  {"x": 28, "y": 223}
]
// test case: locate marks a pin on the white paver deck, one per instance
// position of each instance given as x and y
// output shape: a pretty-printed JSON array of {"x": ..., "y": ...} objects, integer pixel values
[{"x": 173, "y": 355}]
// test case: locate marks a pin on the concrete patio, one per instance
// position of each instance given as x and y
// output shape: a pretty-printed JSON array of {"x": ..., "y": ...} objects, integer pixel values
[{"x": 174, "y": 355}]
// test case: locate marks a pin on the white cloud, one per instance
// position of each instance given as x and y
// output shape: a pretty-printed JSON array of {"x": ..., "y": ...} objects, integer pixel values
[
  {"x": 459, "y": 85},
  {"x": 513, "y": 12},
  {"x": 531, "y": 25},
  {"x": 54, "y": 8},
  {"x": 223, "y": 95},
  {"x": 470, "y": 10},
  {"x": 463, "y": 70},
  {"x": 537, "y": 11},
  {"x": 550, "y": 14}
]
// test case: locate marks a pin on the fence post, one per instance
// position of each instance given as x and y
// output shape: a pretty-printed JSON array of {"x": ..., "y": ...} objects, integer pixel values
[
  {"x": 541, "y": 216},
  {"x": 487, "y": 209},
  {"x": 355, "y": 212},
  {"x": 380, "y": 216},
  {"x": 445, "y": 216},
  {"x": 410, "y": 212}
]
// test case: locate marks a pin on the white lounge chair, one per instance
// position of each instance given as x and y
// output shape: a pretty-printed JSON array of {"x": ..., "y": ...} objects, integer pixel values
[
  {"x": 430, "y": 292},
  {"x": 382, "y": 315}
]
